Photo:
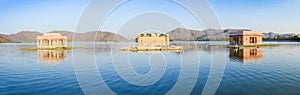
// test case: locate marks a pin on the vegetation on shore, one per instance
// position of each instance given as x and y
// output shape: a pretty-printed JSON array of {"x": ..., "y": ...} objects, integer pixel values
[{"x": 282, "y": 38}]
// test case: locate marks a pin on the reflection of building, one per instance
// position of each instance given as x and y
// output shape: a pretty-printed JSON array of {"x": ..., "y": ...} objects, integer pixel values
[
  {"x": 246, "y": 55},
  {"x": 51, "y": 56},
  {"x": 153, "y": 40},
  {"x": 245, "y": 38},
  {"x": 51, "y": 40}
]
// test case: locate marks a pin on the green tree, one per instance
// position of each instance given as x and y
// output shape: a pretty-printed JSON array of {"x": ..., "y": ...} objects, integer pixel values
[
  {"x": 142, "y": 35},
  {"x": 155, "y": 34},
  {"x": 295, "y": 38},
  {"x": 148, "y": 35},
  {"x": 161, "y": 35},
  {"x": 279, "y": 37}
]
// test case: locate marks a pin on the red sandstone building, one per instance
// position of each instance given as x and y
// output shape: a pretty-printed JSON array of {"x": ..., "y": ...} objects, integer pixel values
[{"x": 245, "y": 38}]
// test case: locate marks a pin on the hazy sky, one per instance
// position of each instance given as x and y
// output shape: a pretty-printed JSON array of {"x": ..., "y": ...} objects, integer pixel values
[{"x": 282, "y": 16}]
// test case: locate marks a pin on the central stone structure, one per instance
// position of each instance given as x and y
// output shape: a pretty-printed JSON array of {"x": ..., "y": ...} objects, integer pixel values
[
  {"x": 152, "y": 40},
  {"x": 51, "y": 40}
]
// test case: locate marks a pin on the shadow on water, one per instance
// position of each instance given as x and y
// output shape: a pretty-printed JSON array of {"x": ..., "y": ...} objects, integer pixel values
[{"x": 51, "y": 57}]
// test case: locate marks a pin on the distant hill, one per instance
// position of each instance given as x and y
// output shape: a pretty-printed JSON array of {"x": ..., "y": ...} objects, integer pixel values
[
  {"x": 23, "y": 36},
  {"x": 219, "y": 34},
  {"x": 91, "y": 36},
  {"x": 212, "y": 34},
  {"x": 176, "y": 34},
  {"x": 270, "y": 34},
  {"x": 274, "y": 35},
  {"x": 185, "y": 34},
  {"x": 30, "y": 36},
  {"x": 3, "y": 39}
]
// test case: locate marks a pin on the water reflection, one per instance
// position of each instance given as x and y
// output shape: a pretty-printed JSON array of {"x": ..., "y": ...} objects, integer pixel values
[
  {"x": 246, "y": 55},
  {"x": 51, "y": 57}
]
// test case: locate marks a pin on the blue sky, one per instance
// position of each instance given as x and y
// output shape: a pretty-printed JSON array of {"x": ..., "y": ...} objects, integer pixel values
[
  {"x": 39, "y": 15},
  {"x": 281, "y": 16}
]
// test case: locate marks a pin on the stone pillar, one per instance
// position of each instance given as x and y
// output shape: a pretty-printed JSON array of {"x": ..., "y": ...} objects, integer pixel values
[
  {"x": 65, "y": 42},
  {"x": 50, "y": 44},
  {"x": 54, "y": 43},
  {"x": 168, "y": 40},
  {"x": 41, "y": 43},
  {"x": 60, "y": 44},
  {"x": 57, "y": 42},
  {"x": 37, "y": 43}
]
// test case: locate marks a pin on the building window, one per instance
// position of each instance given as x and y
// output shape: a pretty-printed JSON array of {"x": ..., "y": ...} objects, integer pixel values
[{"x": 253, "y": 40}]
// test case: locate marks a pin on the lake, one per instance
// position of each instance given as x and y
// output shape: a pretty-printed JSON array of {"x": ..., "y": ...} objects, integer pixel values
[{"x": 101, "y": 68}]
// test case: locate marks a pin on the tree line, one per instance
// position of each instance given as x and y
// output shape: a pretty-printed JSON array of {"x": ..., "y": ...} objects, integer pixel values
[{"x": 279, "y": 37}]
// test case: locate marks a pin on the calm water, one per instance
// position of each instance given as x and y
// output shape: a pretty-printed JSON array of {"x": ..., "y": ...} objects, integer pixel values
[{"x": 103, "y": 69}]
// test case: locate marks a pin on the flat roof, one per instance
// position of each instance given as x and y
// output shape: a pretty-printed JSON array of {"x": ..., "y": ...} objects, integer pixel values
[{"x": 245, "y": 33}]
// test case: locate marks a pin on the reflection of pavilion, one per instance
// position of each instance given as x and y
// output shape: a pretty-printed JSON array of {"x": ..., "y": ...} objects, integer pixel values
[
  {"x": 51, "y": 56},
  {"x": 246, "y": 55}
]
